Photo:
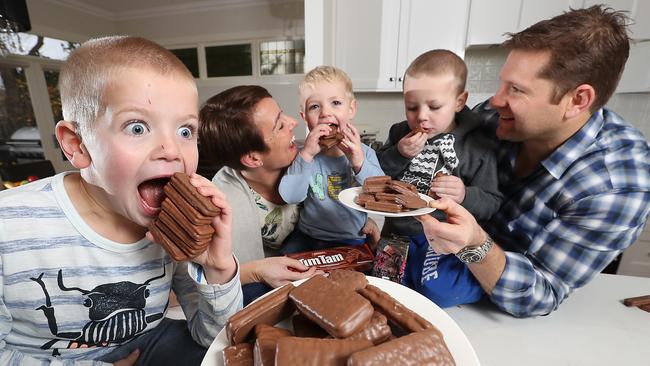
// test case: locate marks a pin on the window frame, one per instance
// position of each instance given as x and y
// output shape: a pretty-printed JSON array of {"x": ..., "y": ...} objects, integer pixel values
[{"x": 255, "y": 44}]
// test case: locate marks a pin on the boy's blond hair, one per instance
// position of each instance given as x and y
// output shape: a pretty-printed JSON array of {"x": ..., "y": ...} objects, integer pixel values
[
  {"x": 328, "y": 74},
  {"x": 438, "y": 62},
  {"x": 90, "y": 68}
]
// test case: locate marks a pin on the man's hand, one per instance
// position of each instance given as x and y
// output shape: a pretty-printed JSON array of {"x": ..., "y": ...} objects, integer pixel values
[
  {"x": 312, "y": 148},
  {"x": 412, "y": 144},
  {"x": 130, "y": 360},
  {"x": 448, "y": 186},
  {"x": 351, "y": 146},
  {"x": 276, "y": 271},
  {"x": 460, "y": 230}
]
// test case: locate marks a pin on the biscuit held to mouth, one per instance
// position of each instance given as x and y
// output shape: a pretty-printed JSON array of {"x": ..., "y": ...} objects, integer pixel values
[
  {"x": 331, "y": 139},
  {"x": 184, "y": 225}
]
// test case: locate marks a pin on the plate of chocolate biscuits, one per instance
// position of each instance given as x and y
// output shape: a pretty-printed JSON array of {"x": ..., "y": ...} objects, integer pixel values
[
  {"x": 387, "y": 197},
  {"x": 344, "y": 319}
]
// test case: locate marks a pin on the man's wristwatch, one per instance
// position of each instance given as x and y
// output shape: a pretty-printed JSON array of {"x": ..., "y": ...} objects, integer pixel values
[{"x": 475, "y": 254}]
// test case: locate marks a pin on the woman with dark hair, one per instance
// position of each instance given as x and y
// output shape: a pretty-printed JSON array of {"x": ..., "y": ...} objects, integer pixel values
[{"x": 244, "y": 130}]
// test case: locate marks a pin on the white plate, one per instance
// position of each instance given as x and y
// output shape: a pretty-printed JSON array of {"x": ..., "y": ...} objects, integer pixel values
[
  {"x": 347, "y": 197},
  {"x": 456, "y": 340}
]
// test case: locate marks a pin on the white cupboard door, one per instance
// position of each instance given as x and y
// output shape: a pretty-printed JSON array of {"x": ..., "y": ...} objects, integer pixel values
[
  {"x": 636, "y": 75},
  {"x": 365, "y": 41},
  {"x": 430, "y": 24},
  {"x": 532, "y": 11},
  {"x": 489, "y": 20}
]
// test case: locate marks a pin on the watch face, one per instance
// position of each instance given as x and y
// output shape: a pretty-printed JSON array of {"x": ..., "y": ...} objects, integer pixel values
[{"x": 472, "y": 255}]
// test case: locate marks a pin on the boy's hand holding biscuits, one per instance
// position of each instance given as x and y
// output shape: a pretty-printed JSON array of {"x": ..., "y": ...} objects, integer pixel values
[
  {"x": 195, "y": 223},
  {"x": 412, "y": 144},
  {"x": 312, "y": 148},
  {"x": 351, "y": 147}
]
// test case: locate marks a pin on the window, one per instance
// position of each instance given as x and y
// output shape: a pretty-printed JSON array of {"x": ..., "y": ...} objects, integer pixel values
[
  {"x": 189, "y": 56},
  {"x": 45, "y": 47},
  {"x": 282, "y": 57},
  {"x": 230, "y": 60},
  {"x": 19, "y": 136}
]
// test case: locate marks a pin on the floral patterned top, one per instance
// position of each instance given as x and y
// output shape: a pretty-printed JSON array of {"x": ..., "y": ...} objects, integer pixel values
[{"x": 276, "y": 221}]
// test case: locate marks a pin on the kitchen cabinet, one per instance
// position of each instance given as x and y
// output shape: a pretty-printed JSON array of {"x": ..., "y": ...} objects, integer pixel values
[
  {"x": 636, "y": 76},
  {"x": 490, "y": 20},
  {"x": 374, "y": 41}
]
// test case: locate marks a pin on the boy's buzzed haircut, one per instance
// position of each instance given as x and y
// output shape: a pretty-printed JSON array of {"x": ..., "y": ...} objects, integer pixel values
[
  {"x": 587, "y": 46},
  {"x": 438, "y": 62},
  {"x": 327, "y": 74},
  {"x": 89, "y": 69}
]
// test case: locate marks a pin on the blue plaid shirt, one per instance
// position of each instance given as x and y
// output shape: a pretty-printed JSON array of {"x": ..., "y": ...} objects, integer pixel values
[{"x": 561, "y": 225}]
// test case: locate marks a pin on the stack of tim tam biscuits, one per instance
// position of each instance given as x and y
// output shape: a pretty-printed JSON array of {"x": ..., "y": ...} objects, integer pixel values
[
  {"x": 382, "y": 193},
  {"x": 337, "y": 320},
  {"x": 184, "y": 225},
  {"x": 331, "y": 139}
]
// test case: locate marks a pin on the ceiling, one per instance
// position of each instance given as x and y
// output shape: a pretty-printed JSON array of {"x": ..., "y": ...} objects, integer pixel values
[{"x": 131, "y": 9}]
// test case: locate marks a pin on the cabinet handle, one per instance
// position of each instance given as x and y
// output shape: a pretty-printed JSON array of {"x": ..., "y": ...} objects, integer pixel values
[
  {"x": 399, "y": 79},
  {"x": 391, "y": 79}
]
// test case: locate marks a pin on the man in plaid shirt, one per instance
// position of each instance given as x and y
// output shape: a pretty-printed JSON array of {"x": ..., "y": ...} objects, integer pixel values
[{"x": 575, "y": 176}]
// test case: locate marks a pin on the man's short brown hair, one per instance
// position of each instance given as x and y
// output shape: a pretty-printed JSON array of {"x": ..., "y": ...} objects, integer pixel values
[
  {"x": 439, "y": 62},
  {"x": 587, "y": 46},
  {"x": 227, "y": 130},
  {"x": 91, "y": 67}
]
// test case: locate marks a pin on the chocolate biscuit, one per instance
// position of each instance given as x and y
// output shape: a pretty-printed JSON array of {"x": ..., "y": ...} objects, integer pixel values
[
  {"x": 267, "y": 338},
  {"x": 268, "y": 310},
  {"x": 411, "y": 202},
  {"x": 395, "y": 311},
  {"x": 186, "y": 245},
  {"x": 383, "y": 206},
  {"x": 293, "y": 351},
  {"x": 303, "y": 327},
  {"x": 637, "y": 301},
  {"x": 363, "y": 198},
  {"x": 181, "y": 182},
  {"x": 238, "y": 355},
  {"x": 421, "y": 348},
  {"x": 341, "y": 313},
  {"x": 379, "y": 179},
  {"x": 377, "y": 331},
  {"x": 350, "y": 280}
]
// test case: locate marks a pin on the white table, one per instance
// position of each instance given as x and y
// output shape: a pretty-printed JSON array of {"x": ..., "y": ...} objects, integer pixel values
[{"x": 591, "y": 327}]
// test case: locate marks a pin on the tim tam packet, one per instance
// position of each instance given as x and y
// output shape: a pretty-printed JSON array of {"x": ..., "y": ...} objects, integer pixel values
[
  {"x": 390, "y": 260},
  {"x": 358, "y": 258}
]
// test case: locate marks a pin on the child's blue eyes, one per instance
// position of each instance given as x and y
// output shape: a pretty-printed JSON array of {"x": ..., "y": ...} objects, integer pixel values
[
  {"x": 136, "y": 128},
  {"x": 139, "y": 128},
  {"x": 185, "y": 132}
]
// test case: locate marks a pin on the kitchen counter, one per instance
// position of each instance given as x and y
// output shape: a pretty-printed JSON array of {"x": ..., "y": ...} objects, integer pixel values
[{"x": 591, "y": 327}]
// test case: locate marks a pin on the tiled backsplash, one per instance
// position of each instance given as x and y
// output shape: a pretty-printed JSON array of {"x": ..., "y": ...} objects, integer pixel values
[{"x": 381, "y": 110}]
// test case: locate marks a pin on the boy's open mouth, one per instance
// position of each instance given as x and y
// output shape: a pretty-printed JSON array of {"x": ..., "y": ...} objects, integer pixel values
[{"x": 152, "y": 193}]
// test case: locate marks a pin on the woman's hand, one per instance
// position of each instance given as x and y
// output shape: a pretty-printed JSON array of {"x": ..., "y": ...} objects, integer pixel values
[
  {"x": 448, "y": 186},
  {"x": 460, "y": 230},
  {"x": 412, "y": 144},
  {"x": 276, "y": 271}
]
